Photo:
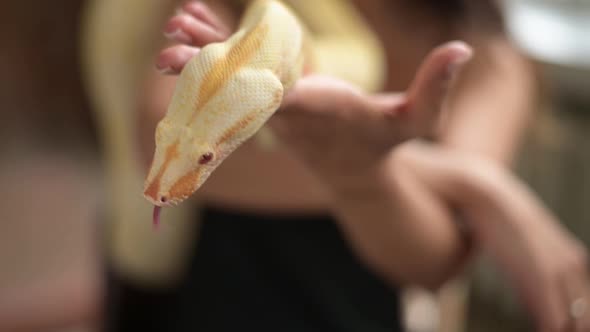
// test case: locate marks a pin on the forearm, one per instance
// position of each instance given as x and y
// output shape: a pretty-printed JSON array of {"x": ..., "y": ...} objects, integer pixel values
[
  {"x": 401, "y": 219},
  {"x": 400, "y": 229},
  {"x": 498, "y": 208},
  {"x": 492, "y": 101}
]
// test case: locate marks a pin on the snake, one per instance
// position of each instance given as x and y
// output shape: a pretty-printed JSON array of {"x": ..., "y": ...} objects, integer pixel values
[
  {"x": 223, "y": 97},
  {"x": 118, "y": 39}
]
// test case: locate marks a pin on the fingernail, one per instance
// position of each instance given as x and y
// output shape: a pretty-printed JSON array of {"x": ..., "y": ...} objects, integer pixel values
[
  {"x": 455, "y": 65},
  {"x": 179, "y": 36},
  {"x": 165, "y": 70}
]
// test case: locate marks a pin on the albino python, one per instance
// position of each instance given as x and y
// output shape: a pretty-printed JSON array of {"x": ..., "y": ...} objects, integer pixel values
[
  {"x": 223, "y": 97},
  {"x": 119, "y": 39}
]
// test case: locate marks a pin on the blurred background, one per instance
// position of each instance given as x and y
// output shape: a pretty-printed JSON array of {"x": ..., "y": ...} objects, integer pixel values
[{"x": 52, "y": 177}]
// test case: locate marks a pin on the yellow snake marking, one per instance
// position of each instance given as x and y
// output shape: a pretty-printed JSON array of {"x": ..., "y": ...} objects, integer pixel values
[
  {"x": 154, "y": 187},
  {"x": 239, "y": 125},
  {"x": 246, "y": 120},
  {"x": 225, "y": 68}
]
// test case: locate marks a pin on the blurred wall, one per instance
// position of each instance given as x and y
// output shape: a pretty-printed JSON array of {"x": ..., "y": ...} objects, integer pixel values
[
  {"x": 50, "y": 180},
  {"x": 41, "y": 94}
]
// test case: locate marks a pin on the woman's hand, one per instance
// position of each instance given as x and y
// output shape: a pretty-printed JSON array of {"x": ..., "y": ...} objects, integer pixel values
[
  {"x": 549, "y": 269},
  {"x": 547, "y": 266},
  {"x": 344, "y": 134}
]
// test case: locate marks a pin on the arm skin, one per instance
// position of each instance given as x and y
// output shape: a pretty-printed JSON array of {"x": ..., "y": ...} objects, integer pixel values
[
  {"x": 411, "y": 236},
  {"x": 547, "y": 267},
  {"x": 402, "y": 218}
]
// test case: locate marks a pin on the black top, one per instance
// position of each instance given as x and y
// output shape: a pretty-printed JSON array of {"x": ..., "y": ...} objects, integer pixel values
[{"x": 253, "y": 273}]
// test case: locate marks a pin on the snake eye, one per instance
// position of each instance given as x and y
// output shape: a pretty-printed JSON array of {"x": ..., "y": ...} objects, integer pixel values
[{"x": 206, "y": 158}]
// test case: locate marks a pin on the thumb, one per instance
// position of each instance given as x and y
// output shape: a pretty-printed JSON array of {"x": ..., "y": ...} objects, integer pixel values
[
  {"x": 431, "y": 85},
  {"x": 318, "y": 93}
]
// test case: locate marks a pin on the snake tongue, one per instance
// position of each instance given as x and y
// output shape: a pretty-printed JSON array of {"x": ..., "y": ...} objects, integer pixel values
[{"x": 156, "y": 216}]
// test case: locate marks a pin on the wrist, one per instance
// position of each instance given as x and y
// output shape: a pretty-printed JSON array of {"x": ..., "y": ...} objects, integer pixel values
[{"x": 364, "y": 185}]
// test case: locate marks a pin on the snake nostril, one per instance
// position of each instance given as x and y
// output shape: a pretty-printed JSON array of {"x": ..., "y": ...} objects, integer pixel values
[
  {"x": 207, "y": 157},
  {"x": 163, "y": 199}
]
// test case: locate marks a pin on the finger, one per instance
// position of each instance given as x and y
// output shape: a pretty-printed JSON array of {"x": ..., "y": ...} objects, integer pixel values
[
  {"x": 579, "y": 311},
  {"x": 390, "y": 104},
  {"x": 172, "y": 60},
  {"x": 393, "y": 111},
  {"x": 186, "y": 29},
  {"x": 427, "y": 93},
  {"x": 202, "y": 12},
  {"x": 551, "y": 314},
  {"x": 322, "y": 94},
  {"x": 317, "y": 93},
  {"x": 576, "y": 287},
  {"x": 584, "y": 323}
]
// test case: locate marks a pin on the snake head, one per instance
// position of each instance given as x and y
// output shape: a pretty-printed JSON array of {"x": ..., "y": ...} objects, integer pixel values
[
  {"x": 180, "y": 166},
  {"x": 222, "y": 98}
]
